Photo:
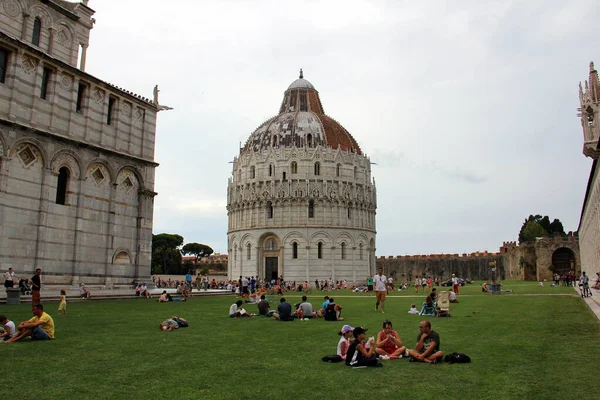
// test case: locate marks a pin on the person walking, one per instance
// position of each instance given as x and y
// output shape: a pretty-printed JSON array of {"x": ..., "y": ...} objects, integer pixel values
[
  {"x": 380, "y": 282},
  {"x": 36, "y": 287}
]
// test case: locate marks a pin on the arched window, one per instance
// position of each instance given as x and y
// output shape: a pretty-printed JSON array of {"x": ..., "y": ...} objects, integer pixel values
[
  {"x": 309, "y": 140},
  {"x": 37, "y": 31},
  {"x": 271, "y": 244},
  {"x": 338, "y": 169},
  {"x": 294, "y": 167},
  {"x": 275, "y": 142},
  {"x": 61, "y": 187},
  {"x": 360, "y": 251},
  {"x": 317, "y": 168},
  {"x": 271, "y": 169},
  {"x": 343, "y": 248},
  {"x": 294, "y": 250},
  {"x": 311, "y": 209},
  {"x": 284, "y": 176},
  {"x": 355, "y": 172},
  {"x": 349, "y": 210},
  {"x": 252, "y": 172},
  {"x": 320, "y": 250},
  {"x": 248, "y": 251},
  {"x": 269, "y": 210}
]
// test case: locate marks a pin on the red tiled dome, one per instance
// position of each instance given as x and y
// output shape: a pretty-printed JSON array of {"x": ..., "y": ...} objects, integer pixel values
[{"x": 301, "y": 122}]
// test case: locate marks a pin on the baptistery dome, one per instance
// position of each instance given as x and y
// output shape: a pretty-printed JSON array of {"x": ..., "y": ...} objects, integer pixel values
[
  {"x": 300, "y": 201},
  {"x": 301, "y": 122}
]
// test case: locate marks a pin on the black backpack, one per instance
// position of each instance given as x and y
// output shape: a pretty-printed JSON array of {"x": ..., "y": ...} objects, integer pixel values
[
  {"x": 332, "y": 359},
  {"x": 459, "y": 358}
]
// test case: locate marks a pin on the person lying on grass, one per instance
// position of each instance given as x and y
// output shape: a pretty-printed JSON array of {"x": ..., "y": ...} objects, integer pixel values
[
  {"x": 389, "y": 344},
  {"x": 428, "y": 345},
  {"x": 358, "y": 355},
  {"x": 40, "y": 327},
  {"x": 172, "y": 323}
]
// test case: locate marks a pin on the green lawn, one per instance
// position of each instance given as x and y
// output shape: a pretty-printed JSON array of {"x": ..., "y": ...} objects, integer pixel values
[{"x": 523, "y": 347}]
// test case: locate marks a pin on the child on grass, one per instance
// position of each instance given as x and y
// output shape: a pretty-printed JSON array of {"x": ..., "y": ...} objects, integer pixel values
[
  {"x": 413, "y": 309},
  {"x": 62, "y": 306},
  {"x": 344, "y": 343}
]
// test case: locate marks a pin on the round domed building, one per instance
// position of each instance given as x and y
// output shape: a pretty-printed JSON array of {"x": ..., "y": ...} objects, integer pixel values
[{"x": 301, "y": 202}]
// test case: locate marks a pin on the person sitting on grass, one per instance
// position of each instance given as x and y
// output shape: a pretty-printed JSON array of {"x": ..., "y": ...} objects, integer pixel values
[
  {"x": 389, "y": 345},
  {"x": 305, "y": 309},
  {"x": 236, "y": 310},
  {"x": 9, "y": 328},
  {"x": 452, "y": 296},
  {"x": 344, "y": 342},
  {"x": 40, "y": 327},
  {"x": 428, "y": 307},
  {"x": 333, "y": 312},
  {"x": 263, "y": 307},
  {"x": 163, "y": 297},
  {"x": 428, "y": 345},
  {"x": 284, "y": 311},
  {"x": 485, "y": 287},
  {"x": 321, "y": 312},
  {"x": 413, "y": 309},
  {"x": 358, "y": 355}
]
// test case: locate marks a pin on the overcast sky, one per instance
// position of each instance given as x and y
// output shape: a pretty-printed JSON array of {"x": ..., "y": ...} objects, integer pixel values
[{"x": 467, "y": 107}]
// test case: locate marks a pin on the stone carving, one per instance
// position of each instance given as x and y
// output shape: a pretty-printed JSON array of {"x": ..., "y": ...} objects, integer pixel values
[
  {"x": 66, "y": 82},
  {"x": 28, "y": 64},
  {"x": 12, "y": 8},
  {"x": 27, "y": 154},
  {"x": 66, "y": 160},
  {"x": 99, "y": 174},
  {"x": 62, "y": 36},
  {"x": 98, "y": 95},
  {"x": 139, "y": 114},
  {"x": 126, "y": 108}
]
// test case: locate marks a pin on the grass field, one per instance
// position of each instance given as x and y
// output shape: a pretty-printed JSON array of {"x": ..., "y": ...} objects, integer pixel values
[{"x": 523, "y": 347}]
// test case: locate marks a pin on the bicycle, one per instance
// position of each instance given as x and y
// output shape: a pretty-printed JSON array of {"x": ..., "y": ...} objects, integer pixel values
[{"x": 585, "y": 291}]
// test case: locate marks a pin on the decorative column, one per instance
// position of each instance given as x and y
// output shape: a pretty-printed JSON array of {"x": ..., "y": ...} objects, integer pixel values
[
  {"x": 24, "y": 26},
  {"x": 83, "y": 56},
  {"x": 78, "y": 228},
  {"x": 144, "y": 233},
  {"x": 50, "y": 40}
]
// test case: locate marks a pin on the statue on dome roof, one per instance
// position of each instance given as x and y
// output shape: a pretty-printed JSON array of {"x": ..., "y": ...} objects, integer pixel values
[{"x": 302, "y": 75}]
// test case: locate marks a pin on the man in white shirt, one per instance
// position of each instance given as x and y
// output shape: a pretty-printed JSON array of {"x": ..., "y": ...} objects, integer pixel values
[
  {"x": 455, "y": 283},
  {"x": 380, "y": 282},
  {"x": 9, "y": 278}
]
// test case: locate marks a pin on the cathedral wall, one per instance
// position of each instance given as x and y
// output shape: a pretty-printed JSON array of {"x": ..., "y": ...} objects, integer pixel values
[
  {"x": 344, "y": 254},
  {"x": 102, "y": 232},
  {"x": 589, "y": 228},
  {"x": 62, "y": 31},
  {"x": 94, "y": 113}
]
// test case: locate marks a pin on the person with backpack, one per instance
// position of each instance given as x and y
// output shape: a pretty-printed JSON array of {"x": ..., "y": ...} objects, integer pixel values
[
  {"x": 427, "y": 349},
  {"x": 333, "y": 312}
]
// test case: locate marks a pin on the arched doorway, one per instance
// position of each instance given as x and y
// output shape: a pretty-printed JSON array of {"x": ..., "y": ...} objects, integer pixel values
[
  {"x": 563, "y": 260},
  {"x": 270, "y": 249}
]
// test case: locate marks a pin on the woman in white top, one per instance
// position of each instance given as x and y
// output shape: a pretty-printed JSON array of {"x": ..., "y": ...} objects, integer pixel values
[{"x": 344, "y": 343}]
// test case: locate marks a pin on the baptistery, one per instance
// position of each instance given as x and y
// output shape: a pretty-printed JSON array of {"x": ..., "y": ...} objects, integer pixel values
[{"x": 300, "y": 201}]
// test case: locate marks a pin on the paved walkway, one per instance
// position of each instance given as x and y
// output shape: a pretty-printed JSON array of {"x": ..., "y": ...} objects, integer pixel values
[
  {"x": 593, "y": 302},
  {"x": 53, "y": 294}
]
